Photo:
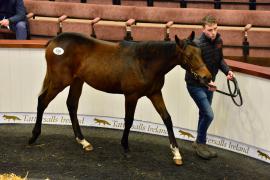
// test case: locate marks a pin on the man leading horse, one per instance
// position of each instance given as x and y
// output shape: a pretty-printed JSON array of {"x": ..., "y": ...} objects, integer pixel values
[{"x": 210, "y": 43}]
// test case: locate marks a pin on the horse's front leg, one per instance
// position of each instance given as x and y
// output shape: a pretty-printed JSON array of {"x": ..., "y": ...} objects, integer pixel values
[
  {"x": 75, "y": 92},
  {"x": 159, "y": 104},
  {"x": 130, "y": 106}
]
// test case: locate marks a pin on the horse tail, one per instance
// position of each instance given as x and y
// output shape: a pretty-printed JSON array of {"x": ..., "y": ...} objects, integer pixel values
[{"x": 46, "y": 83}]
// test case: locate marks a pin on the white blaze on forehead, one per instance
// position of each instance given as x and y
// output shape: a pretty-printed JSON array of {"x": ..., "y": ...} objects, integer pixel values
[{"x": 58, "y": 51}]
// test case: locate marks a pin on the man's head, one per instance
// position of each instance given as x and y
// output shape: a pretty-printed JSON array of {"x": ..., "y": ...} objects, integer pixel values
[{"x": 209, "y": 24}]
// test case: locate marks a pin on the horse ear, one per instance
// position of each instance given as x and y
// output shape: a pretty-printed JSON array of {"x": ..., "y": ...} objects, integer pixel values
[
  {"x": 178, "y": 41},
  {"x": 191, "y": 36}
]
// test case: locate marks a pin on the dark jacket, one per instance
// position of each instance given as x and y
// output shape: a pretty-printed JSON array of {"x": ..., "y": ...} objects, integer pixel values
[
  {"x": 212, "y": 56},
  {"x": 13, "y": 10}
]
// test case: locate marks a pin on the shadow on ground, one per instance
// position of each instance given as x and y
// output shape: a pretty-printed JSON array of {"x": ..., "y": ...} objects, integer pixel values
[{"x": 56, "y": 155}]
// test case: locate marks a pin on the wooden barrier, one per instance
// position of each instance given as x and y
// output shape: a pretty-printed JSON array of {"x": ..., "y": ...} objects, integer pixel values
[
  {"x": 201, "y": 4},
  {"x": 251, "y": 69},
  {"x": 114, "y": 23}
]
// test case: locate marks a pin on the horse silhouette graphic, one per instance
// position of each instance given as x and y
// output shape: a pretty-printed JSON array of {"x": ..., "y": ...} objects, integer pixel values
[
  {"x": 263, "y": 155},
  {"x": 100, "y": 121},
  {"x": 14, "y": 118},
  {"x": 184, "y": 133}
]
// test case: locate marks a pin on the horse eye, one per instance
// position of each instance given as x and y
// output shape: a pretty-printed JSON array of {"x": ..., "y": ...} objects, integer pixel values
[{"x": 189, "y": 56}]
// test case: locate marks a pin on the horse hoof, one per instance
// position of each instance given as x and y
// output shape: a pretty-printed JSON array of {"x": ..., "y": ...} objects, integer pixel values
[
  {"x": 127, "y": 155},
  {"x": 31, "y": 140},
  {"x": 88, "y": 148},
  {"x": 178, "y": 162}
]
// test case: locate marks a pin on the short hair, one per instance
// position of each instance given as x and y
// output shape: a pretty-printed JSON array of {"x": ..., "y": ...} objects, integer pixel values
[{"x": 208, "y": 19}]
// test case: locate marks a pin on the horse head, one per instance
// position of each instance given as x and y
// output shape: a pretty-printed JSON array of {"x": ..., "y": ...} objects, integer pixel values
[{"x": 190, "y": 57}]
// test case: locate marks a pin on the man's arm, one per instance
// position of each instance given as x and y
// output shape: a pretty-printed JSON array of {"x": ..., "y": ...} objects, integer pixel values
[
  {"x": 20, "y": 12},
  {"x": 224, "y": 66}
]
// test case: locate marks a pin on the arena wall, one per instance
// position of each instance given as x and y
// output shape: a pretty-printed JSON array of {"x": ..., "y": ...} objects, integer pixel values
[{"x": 241, "y": 129}]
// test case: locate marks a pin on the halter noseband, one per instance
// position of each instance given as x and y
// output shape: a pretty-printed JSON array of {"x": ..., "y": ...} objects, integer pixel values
[{"x": 186, "y": 65}]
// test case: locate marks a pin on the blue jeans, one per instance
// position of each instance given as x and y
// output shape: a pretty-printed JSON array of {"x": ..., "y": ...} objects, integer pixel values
[
  {"x": 203, "y": 99},
  {"x": 20, "y": 28}
]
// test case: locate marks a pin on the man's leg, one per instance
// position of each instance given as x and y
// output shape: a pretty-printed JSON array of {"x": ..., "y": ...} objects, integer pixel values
[
  {"x": 203, "y": 98},
  {"x": 206, "y": 115},
  {"x": 21, "y": 30}
]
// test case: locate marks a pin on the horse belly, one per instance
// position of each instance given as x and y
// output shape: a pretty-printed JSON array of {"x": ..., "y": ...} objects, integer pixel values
[
  {"x": 104, "y": 81},
  {"x": 106, "y": 86}
]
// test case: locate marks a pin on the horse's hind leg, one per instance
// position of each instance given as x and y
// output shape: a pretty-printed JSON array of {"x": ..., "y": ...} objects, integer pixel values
[
  {"x": 130, "y": 106},
  {"x": 47, "y": 95},
  {"x": 159, "y": 105},
  {"x": 72, "y": 104}
]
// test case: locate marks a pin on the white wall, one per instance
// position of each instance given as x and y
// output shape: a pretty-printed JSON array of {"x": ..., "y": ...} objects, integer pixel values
[{"x": 22, "y": 72}]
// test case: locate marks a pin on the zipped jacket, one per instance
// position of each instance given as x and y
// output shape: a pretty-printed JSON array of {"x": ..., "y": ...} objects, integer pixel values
[
  {"x": 212, "y": 56},
  {"x": 13, "y": 10}
]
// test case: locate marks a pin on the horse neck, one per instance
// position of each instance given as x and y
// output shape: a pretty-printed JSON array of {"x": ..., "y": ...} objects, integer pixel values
[{"x": 159, "y": 56}]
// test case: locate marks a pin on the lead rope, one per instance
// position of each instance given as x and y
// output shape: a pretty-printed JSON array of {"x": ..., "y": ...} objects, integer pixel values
[{"x": 233, "y": 94}]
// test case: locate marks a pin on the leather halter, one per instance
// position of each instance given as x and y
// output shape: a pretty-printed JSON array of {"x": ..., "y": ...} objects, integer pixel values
[{"x": 186, "y": 65}]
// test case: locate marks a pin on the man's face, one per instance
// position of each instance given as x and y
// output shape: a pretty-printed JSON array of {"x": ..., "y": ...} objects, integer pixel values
[{"x": 210, "y": 30}]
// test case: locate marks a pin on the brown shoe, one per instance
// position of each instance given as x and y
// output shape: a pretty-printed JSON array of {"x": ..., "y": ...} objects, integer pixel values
[
  {"x": 213, "y": 153},
  {"x": 201, "y": 150}
]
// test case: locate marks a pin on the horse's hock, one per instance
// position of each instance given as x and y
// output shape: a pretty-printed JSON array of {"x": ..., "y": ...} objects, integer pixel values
[{"x": 110, "y": 22}]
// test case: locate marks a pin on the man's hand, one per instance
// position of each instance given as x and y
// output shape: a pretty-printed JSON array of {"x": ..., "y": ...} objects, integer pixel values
[
  {"x": 230, "y": 75},
  {"x": 4, "y": 22},
  {"x": 212, "y": 86}
]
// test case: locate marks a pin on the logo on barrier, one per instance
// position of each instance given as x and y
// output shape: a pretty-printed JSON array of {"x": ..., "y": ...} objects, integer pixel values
[
  {"x": 263, "y": 155},
  {"x": 184, "y": 133},
  {"x": 8, "y": 118},
  {"x": 139, "y": 126},
  {"x": 100, "y": 121}
]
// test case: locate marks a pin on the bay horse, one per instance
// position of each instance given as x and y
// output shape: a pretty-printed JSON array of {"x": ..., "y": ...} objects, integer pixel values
[{"x": 135, "y": 69}]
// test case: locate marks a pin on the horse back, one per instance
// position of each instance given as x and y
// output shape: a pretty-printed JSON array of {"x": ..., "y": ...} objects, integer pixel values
[
  {"x": 75, "y": 49},
  {"x": 111, "y": 67},
  {"x": 99, "y": 63}
]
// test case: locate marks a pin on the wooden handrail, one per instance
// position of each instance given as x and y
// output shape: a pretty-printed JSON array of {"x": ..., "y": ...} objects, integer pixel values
[
  {"x": 37, "y": 43},
  {"x": 251, "y": 69},
  {"x": 237, "y": 66}
]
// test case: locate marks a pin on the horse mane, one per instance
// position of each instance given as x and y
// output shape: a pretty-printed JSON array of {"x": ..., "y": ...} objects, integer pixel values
[
  {"x": 155, "y": 48},
  {"x": 151, "y": 49}
]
